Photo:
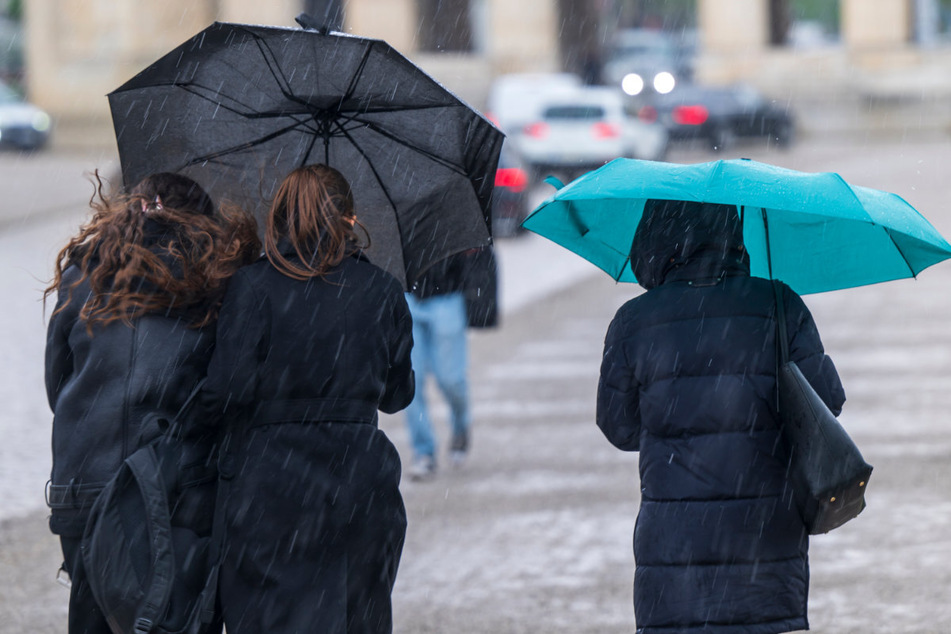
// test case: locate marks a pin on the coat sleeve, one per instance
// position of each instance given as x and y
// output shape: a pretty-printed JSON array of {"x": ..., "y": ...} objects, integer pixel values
[
  {"x": 805, "y": 348},
  {"x": 400, "y": 380},
  {"x": 241, "y": 343},
  {"x": 59, "y": 354},
  {"x": 618, "y": 408}
]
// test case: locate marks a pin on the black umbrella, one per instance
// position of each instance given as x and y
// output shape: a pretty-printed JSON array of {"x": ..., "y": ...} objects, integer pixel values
[{"x": 237, "y": 107}]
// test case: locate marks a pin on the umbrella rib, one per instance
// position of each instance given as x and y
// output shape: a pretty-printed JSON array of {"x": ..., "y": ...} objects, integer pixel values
[
  {"x": 358, "y": 73},
  {"x": 243, "y": 146},
  {"x": 196, "y": 90},
  {"x": 277, "y": 72},
  {"x": 412, "y": 146},
  {"x": 904, "y": 259},
  {"x": 376, "y": 175}
]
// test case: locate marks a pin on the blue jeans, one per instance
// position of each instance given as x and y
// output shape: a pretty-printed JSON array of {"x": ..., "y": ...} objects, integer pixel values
[{"x": 440, "y": 349}]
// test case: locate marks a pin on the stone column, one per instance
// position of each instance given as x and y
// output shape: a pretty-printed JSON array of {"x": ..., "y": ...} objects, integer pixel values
[
  {"x": 733, "y": 25},
  {"x": 523, "y": 35},
  {"x": 876, "y": 23},
  {"x": 734, "y": 35},
  {"x": 77, "y": 51},
  {"x": 269, "y": 12},
  {"x": 394, "y": 21}
]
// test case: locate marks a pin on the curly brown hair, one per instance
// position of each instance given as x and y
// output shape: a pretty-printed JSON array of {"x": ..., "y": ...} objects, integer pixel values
[
  {"x": 313, "y": 212},
  {"x": 161, "y": 248}
]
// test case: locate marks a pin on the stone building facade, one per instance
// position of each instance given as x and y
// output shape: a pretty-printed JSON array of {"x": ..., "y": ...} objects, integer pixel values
[{"x": 79, "y": 50}]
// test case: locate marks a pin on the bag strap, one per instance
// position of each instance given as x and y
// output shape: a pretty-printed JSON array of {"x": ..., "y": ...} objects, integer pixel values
[
  {"x": 782, "y": 352},
  {"x": 148, "y": 476},
  {"x": 175, "y": 425},
  {"x": 781, "y": 322}
]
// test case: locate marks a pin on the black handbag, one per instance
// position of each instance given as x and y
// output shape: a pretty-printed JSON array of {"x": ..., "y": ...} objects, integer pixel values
[{"x": 827, "y": 471}]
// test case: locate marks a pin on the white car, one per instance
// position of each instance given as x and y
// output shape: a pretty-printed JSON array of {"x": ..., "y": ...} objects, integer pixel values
[
  {"x": 517, "y": 99},
  {"x": 22, "y": 125},
  {"x": 582, "y": 130}
]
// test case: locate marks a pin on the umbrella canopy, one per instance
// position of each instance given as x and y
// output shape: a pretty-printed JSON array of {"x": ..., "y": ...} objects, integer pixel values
[
  {"x": 237, "y": 107},
  {"x": 813, "y": 231}
]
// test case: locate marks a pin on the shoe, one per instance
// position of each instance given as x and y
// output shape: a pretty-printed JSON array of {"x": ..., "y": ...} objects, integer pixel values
[
  {"x": 423, "y": 468},
  {"x": 458, "y": 458},
  {"x": 460, "y": 442},
  {"x": 459, "y": 449}
]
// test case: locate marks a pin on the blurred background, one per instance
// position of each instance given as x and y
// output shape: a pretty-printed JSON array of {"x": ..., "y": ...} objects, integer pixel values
[
  {"x": 572, "y": 83},
  {"x": 881, "y": 63}
]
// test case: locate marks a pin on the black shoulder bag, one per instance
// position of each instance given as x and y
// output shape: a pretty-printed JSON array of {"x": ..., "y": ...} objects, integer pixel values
[
  {"x": 150, "y": 549},
  {"x": 826, "y": 469}
]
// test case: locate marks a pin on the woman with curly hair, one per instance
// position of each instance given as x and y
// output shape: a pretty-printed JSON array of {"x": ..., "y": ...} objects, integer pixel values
[
  {"x": 138, "y": 291},
  {"x": 312, "y": 341}
]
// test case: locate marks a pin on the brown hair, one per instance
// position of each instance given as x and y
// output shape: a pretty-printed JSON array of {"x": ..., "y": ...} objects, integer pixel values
[
  {"x": 313, "y": 212},
  {"x": 163, "y": 247}
]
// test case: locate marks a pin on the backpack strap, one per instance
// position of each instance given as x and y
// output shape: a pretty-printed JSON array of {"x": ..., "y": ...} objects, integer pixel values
[
  {"x": 173, "y": 428},
  {"x": 148, "y": 476}
]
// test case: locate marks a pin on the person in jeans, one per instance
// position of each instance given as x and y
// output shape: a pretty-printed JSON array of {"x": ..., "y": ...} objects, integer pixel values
[{"x": 440, "y": 349}]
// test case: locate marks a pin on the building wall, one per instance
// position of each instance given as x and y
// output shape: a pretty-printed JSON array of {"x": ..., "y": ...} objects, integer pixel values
[{"x": 79, "y": 50}]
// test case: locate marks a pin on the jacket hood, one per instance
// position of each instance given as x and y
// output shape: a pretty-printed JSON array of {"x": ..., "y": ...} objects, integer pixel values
[{"x": 686, "y": 240}]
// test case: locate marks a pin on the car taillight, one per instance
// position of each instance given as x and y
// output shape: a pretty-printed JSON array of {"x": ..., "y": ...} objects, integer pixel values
[
  {"x": 605, "y": 130},
  {"x": 511, "y": 177},
  {"x": 536, "y": 130},
  {"x": 647, "y": 114},
  {"x": 690, "y": 115}
]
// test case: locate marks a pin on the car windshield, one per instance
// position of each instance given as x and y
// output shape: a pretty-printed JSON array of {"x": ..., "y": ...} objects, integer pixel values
[
  {"x": 638, "y": 44},
  {"x": 574, "y": 112}
]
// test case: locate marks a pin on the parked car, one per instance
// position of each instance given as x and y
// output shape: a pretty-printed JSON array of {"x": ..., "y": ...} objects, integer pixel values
[
  {"x": 584, "y": 129},
  {"x": 645, "y": 61},
  {"x": 22, "y": 125},
  {"x": 510, "y": 196},
  {"x": 719, "y": 116}
]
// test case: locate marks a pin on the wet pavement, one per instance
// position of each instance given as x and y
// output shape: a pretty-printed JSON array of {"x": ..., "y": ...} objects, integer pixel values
[{"x": 534, "y": 533}]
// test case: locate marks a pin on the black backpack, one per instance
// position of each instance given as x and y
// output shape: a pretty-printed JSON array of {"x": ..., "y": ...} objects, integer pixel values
[{"x": 150, "y": 548}]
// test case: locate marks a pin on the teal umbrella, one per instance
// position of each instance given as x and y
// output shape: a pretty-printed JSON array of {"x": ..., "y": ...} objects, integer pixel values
[{"x": 814, "y": 231}]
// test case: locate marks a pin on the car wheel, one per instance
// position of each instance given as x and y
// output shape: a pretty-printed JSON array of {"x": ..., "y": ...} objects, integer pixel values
[
  {"x": 505, "y": 227},
  {"x": 722, "y": 138},
  {"x": 784, "y": 134}
]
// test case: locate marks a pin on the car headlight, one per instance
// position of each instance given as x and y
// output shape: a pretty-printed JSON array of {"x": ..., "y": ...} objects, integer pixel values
[
  {"x": 664, "y": 82},
  {"x": 41, "y": 122},
  {"x": 632, "y": 84}
]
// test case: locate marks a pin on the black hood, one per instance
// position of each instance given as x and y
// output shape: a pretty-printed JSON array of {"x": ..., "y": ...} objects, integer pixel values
[{"x": 684, "y": 240}]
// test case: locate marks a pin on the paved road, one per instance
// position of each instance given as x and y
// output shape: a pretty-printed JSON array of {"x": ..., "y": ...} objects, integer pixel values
[{"x": 534, "y": 535}]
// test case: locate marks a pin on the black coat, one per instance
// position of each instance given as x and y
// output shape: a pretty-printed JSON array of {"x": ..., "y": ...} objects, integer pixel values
[
  {"x": 315, "y": 521},
  {"x": 688, "y": 378},
  {"x": 107, "y": 392}
]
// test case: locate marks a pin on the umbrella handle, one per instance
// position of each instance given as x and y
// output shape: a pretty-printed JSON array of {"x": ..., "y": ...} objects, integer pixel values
[{"x": 309, "y": 23}]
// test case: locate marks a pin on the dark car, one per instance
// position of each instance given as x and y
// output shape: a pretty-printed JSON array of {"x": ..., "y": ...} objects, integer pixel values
[
  {"x": 509, "y": 198},
  {"x": 645, "y": 62},
  {"x": 718, "y": 116}
]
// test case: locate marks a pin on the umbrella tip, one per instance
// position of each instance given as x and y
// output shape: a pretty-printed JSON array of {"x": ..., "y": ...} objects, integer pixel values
[{"x": 308, "y": 22}]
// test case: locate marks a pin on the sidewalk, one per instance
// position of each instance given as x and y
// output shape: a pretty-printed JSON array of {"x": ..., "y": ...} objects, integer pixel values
[{"x": 535, "y": 534}]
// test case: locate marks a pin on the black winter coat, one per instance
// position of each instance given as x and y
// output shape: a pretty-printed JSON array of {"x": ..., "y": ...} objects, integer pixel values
[
  {"x": 107, "y": 392},
  {"x": 688, "y": 379},
  {"x": 315, "y": 521}
]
